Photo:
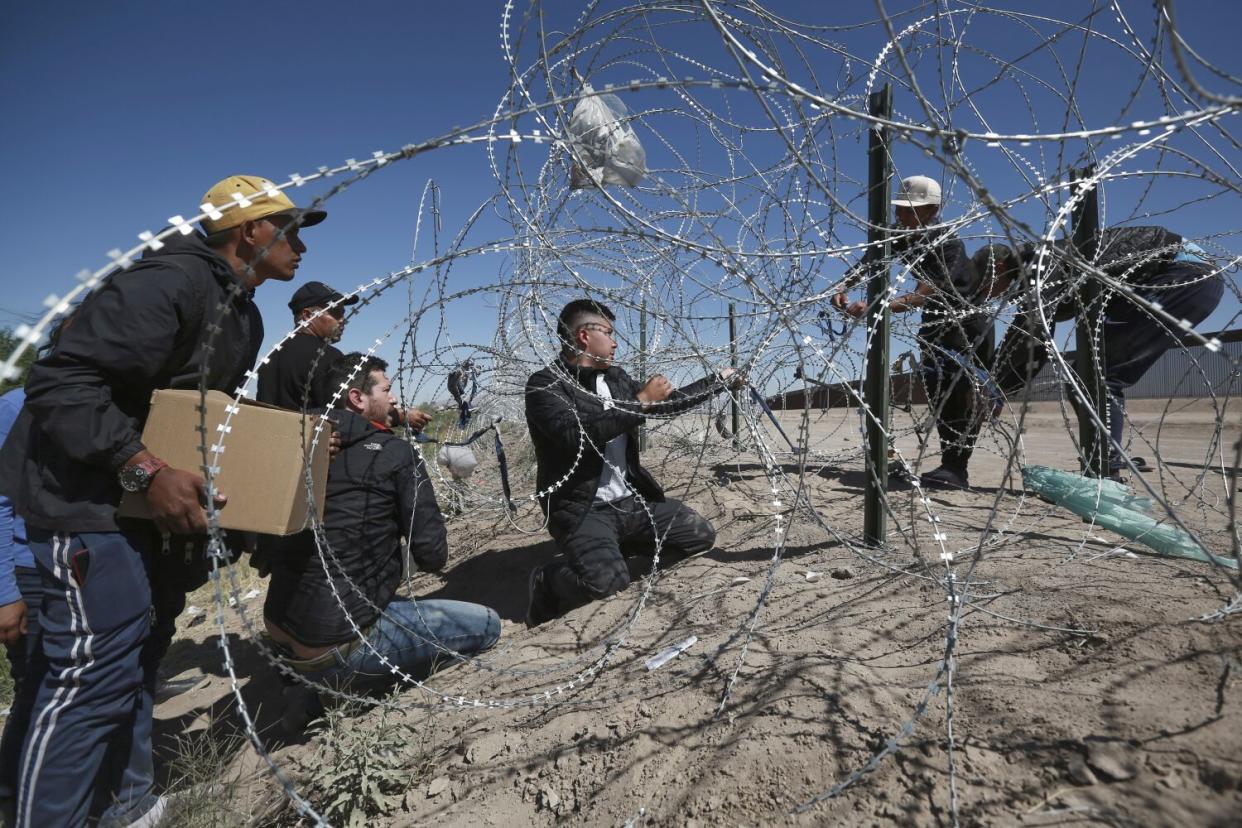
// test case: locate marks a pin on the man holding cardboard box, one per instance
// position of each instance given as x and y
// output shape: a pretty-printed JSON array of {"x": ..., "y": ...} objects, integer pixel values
[
  {"x": 110, "y": 597},
  {"x": 337, "y": 617}
]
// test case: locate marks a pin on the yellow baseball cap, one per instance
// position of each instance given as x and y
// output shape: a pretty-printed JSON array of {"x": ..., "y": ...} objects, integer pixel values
[{"x": 241, "y": 198}]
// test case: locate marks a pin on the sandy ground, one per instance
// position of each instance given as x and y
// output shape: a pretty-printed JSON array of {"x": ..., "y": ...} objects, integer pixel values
[{"x": 1082, "y": 687}]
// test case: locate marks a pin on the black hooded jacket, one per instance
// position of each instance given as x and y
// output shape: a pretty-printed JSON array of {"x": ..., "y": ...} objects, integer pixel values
[
  {"x": 378, "y": 492},
  {"x": 88, "y": 399},
  {"x": 570, "y": 427},
  {"x": 1139, "y": 257}
]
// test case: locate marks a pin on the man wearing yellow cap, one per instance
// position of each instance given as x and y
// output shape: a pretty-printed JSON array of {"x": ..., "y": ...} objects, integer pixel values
[{"x": 111, "y": 590}]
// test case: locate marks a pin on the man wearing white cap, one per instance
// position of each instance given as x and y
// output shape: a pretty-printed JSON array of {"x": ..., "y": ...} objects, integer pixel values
[
  {"x": 956, "y": 338},
  {"x": 111, "y": 586}
]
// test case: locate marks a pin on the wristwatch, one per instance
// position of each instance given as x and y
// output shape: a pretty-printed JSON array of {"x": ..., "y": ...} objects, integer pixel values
[{"x": 137, "y": 478}]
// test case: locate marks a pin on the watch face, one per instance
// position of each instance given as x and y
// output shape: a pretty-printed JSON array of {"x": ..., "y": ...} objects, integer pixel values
[{"x": 133, "y": 478}]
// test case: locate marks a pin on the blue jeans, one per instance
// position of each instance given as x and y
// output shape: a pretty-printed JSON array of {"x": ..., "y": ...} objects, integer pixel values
[
  {"x": 103, "y": 628},
  {"x": 407, "y": 634},
  {"x": 30, "y": 585}
]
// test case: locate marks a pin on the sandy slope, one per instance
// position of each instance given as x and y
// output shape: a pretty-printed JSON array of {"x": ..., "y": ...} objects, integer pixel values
[{"x": 1084, "y": 690}]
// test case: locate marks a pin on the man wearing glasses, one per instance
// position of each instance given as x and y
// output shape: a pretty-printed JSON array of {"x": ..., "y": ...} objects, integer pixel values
[
  {"x": 110, "y": 594},
  {"x": 583, "y": 412}
]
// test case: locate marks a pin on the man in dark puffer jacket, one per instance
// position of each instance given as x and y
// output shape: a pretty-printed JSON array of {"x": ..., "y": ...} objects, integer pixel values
[
  {"x": 378, "y": 492},
  {"x": 583, "y": 412}
]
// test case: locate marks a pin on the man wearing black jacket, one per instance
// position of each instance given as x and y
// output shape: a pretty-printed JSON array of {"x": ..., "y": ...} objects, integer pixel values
[
  {"x": 583, "y": 412},
  {"x": 956, "y": 336},
  {"x": 296, "y": 376},
  {"x": 110, "y": 596},
  {"x": 333, "y": 610}
]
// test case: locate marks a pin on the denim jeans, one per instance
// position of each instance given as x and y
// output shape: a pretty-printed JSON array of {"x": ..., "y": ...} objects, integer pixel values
[{"x": 407, "y": 634}]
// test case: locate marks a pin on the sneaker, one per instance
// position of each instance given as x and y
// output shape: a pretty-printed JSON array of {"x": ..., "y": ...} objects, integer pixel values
[
  {"x": 542, "y": 606},
  {"x": 154, "y": 815},
  {"x": 945, "y": 478}
]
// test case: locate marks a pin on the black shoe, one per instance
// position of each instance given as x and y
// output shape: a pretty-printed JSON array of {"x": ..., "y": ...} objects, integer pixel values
[
  {"x": 945, "y": 478},
  {"x": 542, "y": 605},
  {"x": 302, "y": 706}
]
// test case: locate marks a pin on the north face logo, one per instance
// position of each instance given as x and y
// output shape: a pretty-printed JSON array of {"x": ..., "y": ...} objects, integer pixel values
[{"x": 373, "y": 447}]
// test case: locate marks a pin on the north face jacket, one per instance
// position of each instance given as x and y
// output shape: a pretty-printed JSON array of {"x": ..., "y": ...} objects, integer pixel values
[{"x": 378, "y": 492}]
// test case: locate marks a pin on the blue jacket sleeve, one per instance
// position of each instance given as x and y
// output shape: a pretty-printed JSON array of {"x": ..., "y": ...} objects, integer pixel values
[{"x": 8, "y": 551}]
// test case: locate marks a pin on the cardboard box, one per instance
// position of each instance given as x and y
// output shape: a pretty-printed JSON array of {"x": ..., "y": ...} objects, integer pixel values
[{"x": 261, "y": 469}]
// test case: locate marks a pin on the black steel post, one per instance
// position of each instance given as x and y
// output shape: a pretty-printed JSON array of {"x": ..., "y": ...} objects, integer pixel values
[
  {"x": 1089, "y": 340},
  {"x": 737, "y": 420},
  {"x": 642, "y": 365},
  {"x": 876, "y": 386}
]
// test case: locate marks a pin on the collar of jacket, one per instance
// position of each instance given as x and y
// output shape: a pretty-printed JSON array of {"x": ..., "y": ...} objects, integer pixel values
[{"x": 582, "y": 375}]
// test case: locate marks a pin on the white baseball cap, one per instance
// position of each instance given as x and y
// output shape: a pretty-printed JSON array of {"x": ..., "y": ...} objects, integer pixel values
[{"x": 916, "y": 191}]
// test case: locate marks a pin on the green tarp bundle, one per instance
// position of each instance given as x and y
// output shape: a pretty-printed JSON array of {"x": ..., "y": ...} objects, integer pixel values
[{"x": 1113, "y": 506}]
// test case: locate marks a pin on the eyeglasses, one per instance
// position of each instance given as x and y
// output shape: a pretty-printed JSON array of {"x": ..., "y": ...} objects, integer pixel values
[
  {"x": 337, "y": 313},
  {"x": 596, "y": 326}
]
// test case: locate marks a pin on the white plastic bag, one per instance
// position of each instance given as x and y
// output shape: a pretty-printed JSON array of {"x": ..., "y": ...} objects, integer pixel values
[
  {"x": 607, "y": 149},
  {"x": 459, "y": 460}
]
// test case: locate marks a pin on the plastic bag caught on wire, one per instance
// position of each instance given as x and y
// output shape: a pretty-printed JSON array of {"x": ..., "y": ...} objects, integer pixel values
[
  {"x": 459, "y": 460},
  {"x": 607, "y": 150}
]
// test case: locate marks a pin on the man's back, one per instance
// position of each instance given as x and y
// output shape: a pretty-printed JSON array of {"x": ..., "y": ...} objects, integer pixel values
[{"x": 296, "y": 376}]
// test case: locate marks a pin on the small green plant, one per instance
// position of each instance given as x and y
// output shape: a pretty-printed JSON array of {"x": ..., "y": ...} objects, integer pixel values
[
  {"x": 206, "y": 786},
  {"x": 6, "y": 686},
  {"x": 361, "y": 768}
]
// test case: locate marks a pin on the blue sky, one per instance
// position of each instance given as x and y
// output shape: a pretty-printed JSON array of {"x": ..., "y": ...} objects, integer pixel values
[{"x": 121, "y": 114}]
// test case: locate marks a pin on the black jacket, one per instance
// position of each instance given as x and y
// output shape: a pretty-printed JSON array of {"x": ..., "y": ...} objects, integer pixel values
[
  {"x": 88, "y": 399},
  {"x": 953, "y": 316},
  {"x": 1137, "y": 256},
  {"x": 570, "y": 428},
  {"x": 378, "y": 492},
  {"x": 296, "y": 376}
]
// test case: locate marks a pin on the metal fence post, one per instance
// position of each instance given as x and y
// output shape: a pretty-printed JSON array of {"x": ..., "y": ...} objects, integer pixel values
[
  {"x": 1093, "y": 437},
  {"x": 642, "y": 365},
  {"x": 737, "y": 420},
  {"x": 876, "y": 387}
]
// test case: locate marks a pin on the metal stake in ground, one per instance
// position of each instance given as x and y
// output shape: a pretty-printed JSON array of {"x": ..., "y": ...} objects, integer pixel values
[
  {"x": 733, "y": 362},
  {"x": 876, "y": 385},
  {"x": 1089, "y": 340},
  {"x": 642, "y": 365}
]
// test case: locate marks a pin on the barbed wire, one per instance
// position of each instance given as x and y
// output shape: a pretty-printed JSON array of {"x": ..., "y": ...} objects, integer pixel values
[{"x": 748, "y": 214}]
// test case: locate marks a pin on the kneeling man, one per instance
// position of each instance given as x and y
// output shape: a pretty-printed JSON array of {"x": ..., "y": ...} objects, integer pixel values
[
  {"x": 378, "y": 492},
  {"x": 583, "y": 412}
]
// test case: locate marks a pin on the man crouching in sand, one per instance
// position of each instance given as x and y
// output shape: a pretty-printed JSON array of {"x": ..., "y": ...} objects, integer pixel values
[{"x": 583, "y": 413}]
